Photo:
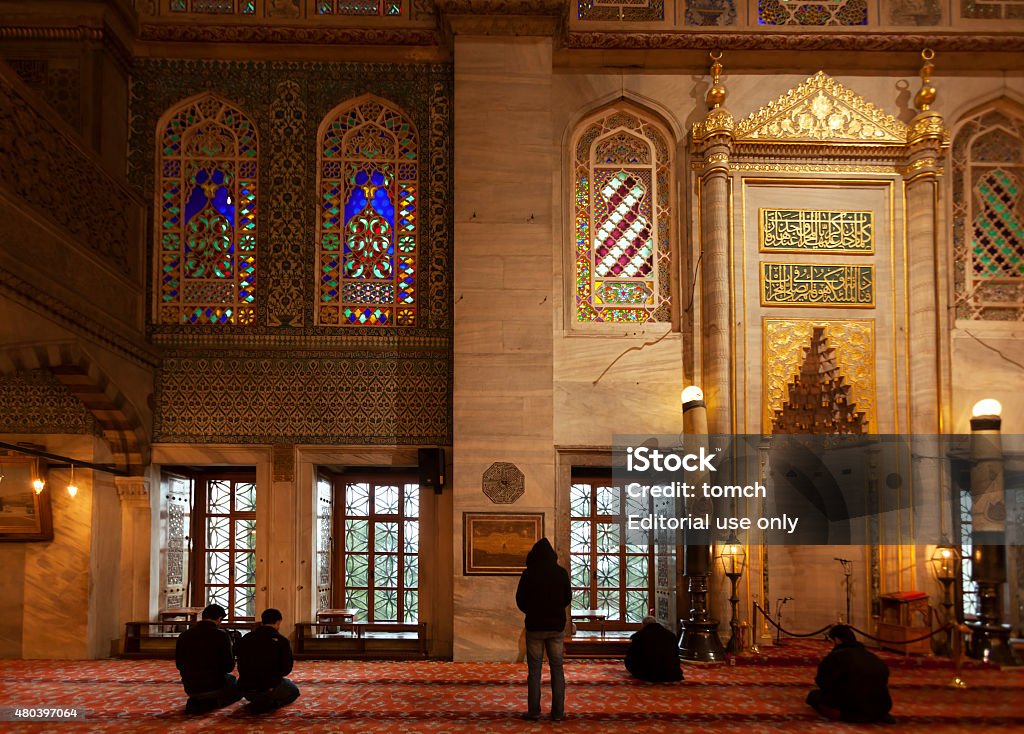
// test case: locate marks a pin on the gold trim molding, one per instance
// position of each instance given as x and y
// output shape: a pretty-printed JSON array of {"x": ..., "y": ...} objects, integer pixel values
[
  {"x": 782, "y": 355},
  {"x": 821, "y": 109}
]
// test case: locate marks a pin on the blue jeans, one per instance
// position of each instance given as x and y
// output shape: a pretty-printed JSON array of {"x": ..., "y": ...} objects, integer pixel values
[{"x": 536, "y": 644}]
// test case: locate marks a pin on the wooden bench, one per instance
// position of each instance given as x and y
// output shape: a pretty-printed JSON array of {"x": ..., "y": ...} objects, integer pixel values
[
  {"x": 364, "y": 640},
  {"x": 146, "y": 640}
]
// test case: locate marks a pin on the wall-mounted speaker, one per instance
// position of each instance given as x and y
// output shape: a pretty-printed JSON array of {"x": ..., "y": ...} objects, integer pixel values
[{"x": 431, "y": 463}]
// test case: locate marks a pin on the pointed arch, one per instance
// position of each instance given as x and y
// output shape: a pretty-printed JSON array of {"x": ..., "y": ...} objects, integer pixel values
[
  {"x": 988, "y": 212},
  {"x": 207, "y": 179},
  {"x": 368, "y": 223},
  {"x": 623, "y": 160}
]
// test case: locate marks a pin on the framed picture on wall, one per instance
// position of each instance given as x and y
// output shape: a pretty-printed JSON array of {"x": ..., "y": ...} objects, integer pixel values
[
  {"x": 496, "y": 543},
  {"x": 24, "y": 512}
]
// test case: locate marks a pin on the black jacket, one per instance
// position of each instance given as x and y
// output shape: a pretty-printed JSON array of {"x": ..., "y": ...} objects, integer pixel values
[
  {"x": 544, "y": 591},
  {"x": 857, "y": 681},
  {"x": 203, "y": 655},
  {"x": 653, "y": 654},
  {"x": 264, "y": 658}
]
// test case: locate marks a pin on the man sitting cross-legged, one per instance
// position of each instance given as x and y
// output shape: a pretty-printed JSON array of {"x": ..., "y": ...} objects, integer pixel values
[{"x": 264, "y": 659}]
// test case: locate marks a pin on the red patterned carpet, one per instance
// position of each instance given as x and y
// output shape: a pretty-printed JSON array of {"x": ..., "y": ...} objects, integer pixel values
[{"x": 144, "y": 696}]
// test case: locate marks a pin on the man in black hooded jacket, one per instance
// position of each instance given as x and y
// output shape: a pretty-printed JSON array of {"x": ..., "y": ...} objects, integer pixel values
[
  {"x": 653, "y": 653},
  {"x": 853, "y": 682},
  {"x": 543, "y": 594},
  {"x": 204, "y": 657}
]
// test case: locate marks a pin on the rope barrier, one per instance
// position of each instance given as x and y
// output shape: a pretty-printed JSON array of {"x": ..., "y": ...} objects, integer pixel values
[{"x": 784, "y": 631}]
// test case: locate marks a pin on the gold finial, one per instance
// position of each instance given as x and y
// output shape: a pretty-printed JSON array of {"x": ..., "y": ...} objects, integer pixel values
[
  {"x": 926, "y": 94},
  {"x": 716, "y": 95}
]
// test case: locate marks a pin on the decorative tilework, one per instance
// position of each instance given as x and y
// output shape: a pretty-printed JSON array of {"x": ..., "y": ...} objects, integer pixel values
[
  {"x": 821, "y": 13},
  {"x": 321, "y": 398},
  {"x": 35, "y": 402},
  {"x": 379, "y": 387},
  {"x": 628, "y": 10}
]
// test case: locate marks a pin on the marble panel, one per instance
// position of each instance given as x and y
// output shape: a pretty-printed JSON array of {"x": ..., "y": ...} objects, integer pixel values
[
  {"x": 485, "y": 375},
  {"x": 12, "y": 598}
]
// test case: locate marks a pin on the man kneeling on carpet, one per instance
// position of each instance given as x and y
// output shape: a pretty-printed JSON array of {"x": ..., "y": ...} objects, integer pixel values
[
  {"x": 205, "y": 660},
  {"x": 264, "y": 659},
  {"x": 852, "y": 681},
  {"x": 653, "y": 654}
]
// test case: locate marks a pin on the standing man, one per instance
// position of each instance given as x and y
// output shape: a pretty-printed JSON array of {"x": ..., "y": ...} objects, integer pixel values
[
  {"x": 204, "y": 658},
  {"x": 543, "y": 594},
  {"x": 264, "y": 659},
  {"x": 853, "y": 682}
]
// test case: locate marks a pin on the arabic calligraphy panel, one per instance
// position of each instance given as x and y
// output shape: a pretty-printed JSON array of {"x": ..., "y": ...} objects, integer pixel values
[
  {"x": 809, "y": 284},
  {"x": 803, "y": 230}
]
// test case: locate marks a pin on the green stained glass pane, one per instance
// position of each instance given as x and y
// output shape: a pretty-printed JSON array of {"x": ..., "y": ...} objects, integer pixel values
[
  {"x": 581, "y": 599},
  {"x": 385, "y": 537},
  {"x": 608, "y": 600},
  {"x": 385, "y": 605},
  {"x": 218, "y": 595},
  {"x": 245, "y": 534},
  {"x": 385, "y": 570},
  {"x": 607, "y": 571},
  {"x": 357, "y": 499},
  {"x": 245, "y": 567},
  {"x": 411, "y": 571},
  {"x": 218, "y": 501},
  {"x": 411, "y": 532},
  {"x": 356, "y": 599},
  {"x": 607, "y": 500},
  {"x": 607, "y": 537},
  {"x": 579, "y": 500},
  {"x": 356, "y": 535},
  {"x": 245, "y": 497},
  {"x": 580, "y": 570},
  {"x": 411, "y": 496},
  {"x": 412, "y": 607},
  {"x": 579, "y": 536},
  {"x": 636, "y": 571},
  {"x": 385, "y": 500},
  {"x": 218, "y": 567},
  {"x": 245, "y": 601},
  {"x": 217, "y": 529},
  {"x": 357, "y": 570},
  {"x": 637, "y": 605},
  {"x": 636, "y": 505}
]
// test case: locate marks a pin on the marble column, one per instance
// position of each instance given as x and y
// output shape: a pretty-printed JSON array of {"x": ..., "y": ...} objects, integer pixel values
[
  {"x": 133, "y": 606},
  {"x": 921, "y": 185},
  {"x": 716, "y": 320}
]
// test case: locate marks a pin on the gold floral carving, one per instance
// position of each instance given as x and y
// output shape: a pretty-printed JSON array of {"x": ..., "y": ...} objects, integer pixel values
[
  {"x": 821, "y": 109},
  {"x": 718, "y": 120},
  {"x": 926, "y": 125},
  {"x": 783, "y": 352}
]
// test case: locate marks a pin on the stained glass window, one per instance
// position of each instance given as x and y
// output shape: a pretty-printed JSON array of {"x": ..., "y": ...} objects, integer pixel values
[
  {"x": 604, "y": 572},
  {"x": 623, "y": 174},
  {"x": 206, "y": 235},
  {"x": 380, "y": 550},
  {"x": 367, "y": 230},
  {"x": 988, "y": 215},
  {"x": 228, "y": 509}
]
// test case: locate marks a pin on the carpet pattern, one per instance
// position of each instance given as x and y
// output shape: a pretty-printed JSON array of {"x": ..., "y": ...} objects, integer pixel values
[{"x": 434, "y": 696}]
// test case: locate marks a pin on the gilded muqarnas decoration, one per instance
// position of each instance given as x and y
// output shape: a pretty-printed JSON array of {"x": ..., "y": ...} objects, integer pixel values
[
  {"x": 783, "y": 346},
  {"x": 814, "y": 284},
  {"x": 503, "y": 483},
  {"x": 821, "y": 109},
  {"x": 798, "y": 230},
  {"x": 62, "y": 183}
]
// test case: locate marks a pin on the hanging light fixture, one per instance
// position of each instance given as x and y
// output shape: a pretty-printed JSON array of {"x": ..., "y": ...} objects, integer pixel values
[
  {"x": 72, "y": 487},
  {"x": 38, "y": 483}
]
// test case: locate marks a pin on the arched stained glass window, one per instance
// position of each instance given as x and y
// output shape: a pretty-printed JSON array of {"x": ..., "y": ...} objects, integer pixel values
[
  {"x": 367, "y": 230},
  {"x": 623, "y": 174},
  {"x": 206, "y": 238},
  {"x": 988, "y": 215}
]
